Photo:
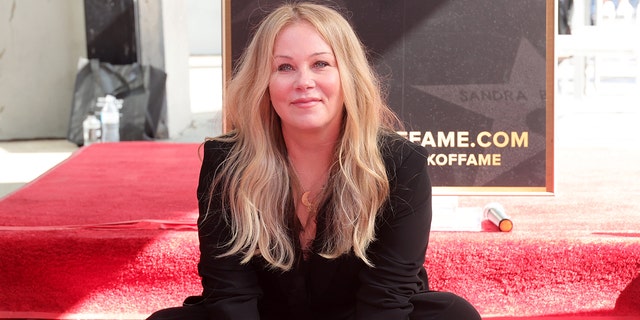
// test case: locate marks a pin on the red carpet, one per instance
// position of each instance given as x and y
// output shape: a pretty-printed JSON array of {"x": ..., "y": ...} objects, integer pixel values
[{"x": 109, "y": 234}]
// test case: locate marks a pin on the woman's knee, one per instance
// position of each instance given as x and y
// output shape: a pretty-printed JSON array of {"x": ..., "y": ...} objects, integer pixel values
[
  {"x": 441, "y": 306},
  {"x": 180, "y": 313}
]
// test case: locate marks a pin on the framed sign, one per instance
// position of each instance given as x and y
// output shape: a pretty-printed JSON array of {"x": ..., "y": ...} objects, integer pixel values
[{"x": 472, "y": 80}]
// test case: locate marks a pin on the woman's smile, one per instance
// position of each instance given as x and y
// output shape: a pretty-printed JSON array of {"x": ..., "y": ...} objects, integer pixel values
[{"x": 305, "y": 103}]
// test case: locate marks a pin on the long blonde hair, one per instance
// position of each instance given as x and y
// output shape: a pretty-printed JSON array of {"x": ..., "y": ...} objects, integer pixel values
[{"x": 255, "y": 178}]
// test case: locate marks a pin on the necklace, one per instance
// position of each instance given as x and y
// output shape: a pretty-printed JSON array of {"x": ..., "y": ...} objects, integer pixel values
[
  {"x": 307, "y": 200},
  {"x": 311, "y": 207}
]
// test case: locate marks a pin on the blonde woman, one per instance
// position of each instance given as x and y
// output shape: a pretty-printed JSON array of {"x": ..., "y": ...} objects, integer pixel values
[{"x": 312, "y": 207}]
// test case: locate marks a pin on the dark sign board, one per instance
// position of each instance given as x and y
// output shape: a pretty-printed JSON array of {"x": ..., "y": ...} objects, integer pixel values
[
  {"x": 471, "y": 79},
  {"x": 110, "y": 28}
]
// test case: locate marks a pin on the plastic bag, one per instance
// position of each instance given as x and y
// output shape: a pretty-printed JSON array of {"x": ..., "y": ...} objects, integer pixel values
[{"x": 142, "y": 89}]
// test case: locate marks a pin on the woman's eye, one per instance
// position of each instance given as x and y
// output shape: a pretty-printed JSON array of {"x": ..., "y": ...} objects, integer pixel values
[
  {"x": 320, "y": 64},
  {"x": 285, "y": 67}
]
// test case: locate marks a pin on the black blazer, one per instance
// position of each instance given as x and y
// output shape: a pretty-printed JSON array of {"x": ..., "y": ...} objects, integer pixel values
[{"x": 342, "y": 288}]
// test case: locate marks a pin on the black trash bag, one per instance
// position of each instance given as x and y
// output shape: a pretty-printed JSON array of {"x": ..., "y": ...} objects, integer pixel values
[{"x": 142, "y": 89}]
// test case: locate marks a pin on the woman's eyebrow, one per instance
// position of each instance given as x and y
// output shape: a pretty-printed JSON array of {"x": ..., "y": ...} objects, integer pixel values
[{"x": 284, "y": 56}]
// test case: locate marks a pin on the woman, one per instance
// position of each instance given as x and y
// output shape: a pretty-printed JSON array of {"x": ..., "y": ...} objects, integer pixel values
[{"x": 312, "y": 207}]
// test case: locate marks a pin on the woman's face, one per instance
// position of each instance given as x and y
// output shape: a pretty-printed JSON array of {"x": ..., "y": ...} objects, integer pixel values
[{"x": 305, "y": 85}]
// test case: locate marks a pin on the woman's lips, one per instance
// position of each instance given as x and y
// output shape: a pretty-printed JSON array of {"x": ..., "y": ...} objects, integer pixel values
[{"x": 305, "y": 102}]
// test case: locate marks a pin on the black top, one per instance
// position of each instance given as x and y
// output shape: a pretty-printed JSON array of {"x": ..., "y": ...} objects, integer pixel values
[{"x": 319, "y": 288}]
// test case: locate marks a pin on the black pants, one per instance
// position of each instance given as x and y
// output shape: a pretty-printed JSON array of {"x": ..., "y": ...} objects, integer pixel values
[{"x": 426, "y": 306}]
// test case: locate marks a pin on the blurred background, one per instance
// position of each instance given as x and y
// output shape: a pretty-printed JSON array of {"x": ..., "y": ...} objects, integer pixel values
[
  {"x": 43, "y": 44},
  {"x": 597, "y": 47}
]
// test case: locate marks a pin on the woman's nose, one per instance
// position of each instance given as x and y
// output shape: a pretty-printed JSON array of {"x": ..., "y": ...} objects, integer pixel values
[{"x": 305, "y": 79}]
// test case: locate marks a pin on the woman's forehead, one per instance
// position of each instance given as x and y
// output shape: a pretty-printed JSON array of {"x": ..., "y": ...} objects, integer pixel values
[{"x": 300, "y": 37}]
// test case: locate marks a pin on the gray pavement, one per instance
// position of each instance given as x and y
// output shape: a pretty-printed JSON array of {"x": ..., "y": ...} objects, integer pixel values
[
  {"x": 23, "y": 161},
  {"x": 598, "y": 121}
]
